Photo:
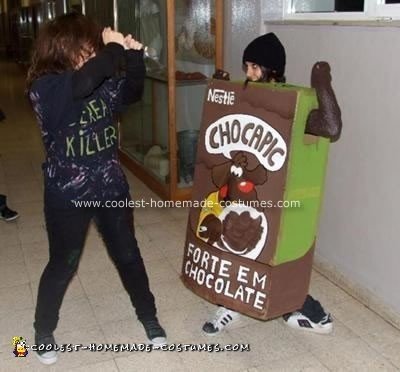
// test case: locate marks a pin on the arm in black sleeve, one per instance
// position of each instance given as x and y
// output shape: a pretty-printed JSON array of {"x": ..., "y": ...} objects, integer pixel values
[
  {"x": 132, "y": 89},
  {"x": 325, "y": 121},
  {"x": 95, "y": 70}
]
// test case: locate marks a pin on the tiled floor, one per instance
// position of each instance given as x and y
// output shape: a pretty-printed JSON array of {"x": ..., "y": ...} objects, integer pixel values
[{"x": 97, "y": 310}]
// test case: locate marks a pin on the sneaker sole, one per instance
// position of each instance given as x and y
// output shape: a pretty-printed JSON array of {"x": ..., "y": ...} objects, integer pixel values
[
  {"x": 9, "y": 219},
  {"x": 320, "y": 330},
  {"x": 159, "y": 341},
  {"x": 47, "y": 361},
  {"x": 212, "y": 334}
]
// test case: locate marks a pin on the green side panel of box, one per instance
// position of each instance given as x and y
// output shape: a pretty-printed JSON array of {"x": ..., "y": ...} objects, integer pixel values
[{"x": 304, "y": 183}]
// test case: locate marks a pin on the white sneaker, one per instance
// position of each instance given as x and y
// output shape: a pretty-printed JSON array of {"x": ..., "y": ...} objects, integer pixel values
[
  {"x": 48, "y": 357},
  {"x": 298, "y": 320},
  {"x": 223, "y": 318}
]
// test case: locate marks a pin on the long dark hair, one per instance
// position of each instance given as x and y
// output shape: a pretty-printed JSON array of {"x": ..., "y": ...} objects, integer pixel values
[
  {"x": 268, "y": 75},
  {"x": 61, "y": 42}
]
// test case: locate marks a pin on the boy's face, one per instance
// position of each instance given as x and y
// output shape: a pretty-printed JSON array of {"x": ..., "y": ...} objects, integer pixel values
[{"x": 253, "y": 71}]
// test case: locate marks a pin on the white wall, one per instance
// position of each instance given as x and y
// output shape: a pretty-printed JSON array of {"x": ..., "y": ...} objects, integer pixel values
[
  {"x": 359, "y": 222},
  {"x": 314, "y": 5},
  {"x": 242, "y": 21}
]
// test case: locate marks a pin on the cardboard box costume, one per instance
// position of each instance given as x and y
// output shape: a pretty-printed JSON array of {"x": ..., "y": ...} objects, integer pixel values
[{"x": 243, "y": 250}]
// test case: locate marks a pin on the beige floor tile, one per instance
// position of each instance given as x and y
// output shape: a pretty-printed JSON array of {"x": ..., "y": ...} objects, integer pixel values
[
  {"x": 143, "y": 361},
  {"x": 29, "y": 209},
  {"x": 183, "y": 325},
  {"x": 108, "y": 366},
  {"x": 161, "y": 231},
  {"x": 15, "y": 298},
  {"x": 150, "y": 252},
  {"x": 12, "y": 275},
  {"x": 11, "y": 254},
  {"x": 76, "y": 314},
  {"x": 174, "y": 246},
  {"x": 149, "y": 216},
  {"x": 26, "y": 221},
  {"x": 385, "y": 339},
  {"x": 95, "y": 258},
  {"x": 8, "y": 235},
  {"x": 110, "y": 307},
  {"x": 141, "y": 236},
  {"x": 350, "y": 355},
  {"x": 269, "y": 341},
  {"x": 100, "y": 282},
  {"x": 19, "y": 192},
  {"x": 303, "y": 363},
  {"x": 379, "y": 364},
  {"x": 16, "y": 323},
  {"x": 391, "y": 352},
  {"x": 359, "y": 318},
  {"x": 83, "y": 336},
  {"x": 18, "y": 169},
  {"x": 161, "y": 270},
  {"x": 176, "y": 263},
  {"x": 127, "y": 331},
  {"x": 34, "y": 234},
  {"x": 220, "y": 359},
  {"x": 327, "y": 293},
  {"x": 172, "y": 294},
  {"x": 3, "y": 188},
  {"x": 36, "y": 251},
  {"x": 35, "y": 267},
  {"x": 8, "y": 228},
  {"x": 29, "y": 363},
  {"x": 93, "y": 237},
  {"x": 179, "y": 213}
]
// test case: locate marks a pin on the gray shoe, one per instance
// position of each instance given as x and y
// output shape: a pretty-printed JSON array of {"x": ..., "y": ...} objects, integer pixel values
[
  {"x": 155, "y": 333},
  {"x": 45, "y": 349}
]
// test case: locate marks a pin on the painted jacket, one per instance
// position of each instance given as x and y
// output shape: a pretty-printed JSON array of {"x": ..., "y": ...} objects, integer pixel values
[{"x": 79, "y": 133}]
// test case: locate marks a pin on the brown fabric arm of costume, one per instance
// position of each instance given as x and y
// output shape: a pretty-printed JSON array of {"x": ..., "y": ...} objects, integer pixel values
[{"x": 326, "y": 121}]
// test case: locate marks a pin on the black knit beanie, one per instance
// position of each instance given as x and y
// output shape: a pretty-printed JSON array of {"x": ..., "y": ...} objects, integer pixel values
[{"x": 266, "y": 51}]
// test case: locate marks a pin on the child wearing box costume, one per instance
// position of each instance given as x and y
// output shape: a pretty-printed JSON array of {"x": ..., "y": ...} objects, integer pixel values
[{"x": 264, "y": 60}]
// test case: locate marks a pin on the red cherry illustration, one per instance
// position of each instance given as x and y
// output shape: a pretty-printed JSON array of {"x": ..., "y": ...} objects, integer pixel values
[
  {"x": 223, "y": 192},
  {"x": 246, "y": 186}
]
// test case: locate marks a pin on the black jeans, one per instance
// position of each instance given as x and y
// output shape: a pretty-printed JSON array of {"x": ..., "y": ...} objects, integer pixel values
[
  {"x": 2, "y": 201},
  {"x": 67, "y": 229}
]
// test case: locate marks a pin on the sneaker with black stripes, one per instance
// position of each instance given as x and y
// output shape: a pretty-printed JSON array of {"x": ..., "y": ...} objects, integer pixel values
[
  {"x": 223, "y": 318},
  {"x": 297, "y": 320}
]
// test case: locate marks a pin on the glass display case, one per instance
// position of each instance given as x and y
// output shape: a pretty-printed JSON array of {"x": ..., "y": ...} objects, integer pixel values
[{"x": 184, "y": 47}]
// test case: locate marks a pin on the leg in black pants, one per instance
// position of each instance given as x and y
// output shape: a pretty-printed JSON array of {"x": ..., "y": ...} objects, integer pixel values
[
  {"x": 66, "y": 230},
  {"x": 116, "y": 227}
]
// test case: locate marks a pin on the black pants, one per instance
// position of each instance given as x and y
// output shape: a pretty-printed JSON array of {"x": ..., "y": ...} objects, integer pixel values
[
  {"x": 2, "y": 201},
  {"x": 67, "y": 229}
]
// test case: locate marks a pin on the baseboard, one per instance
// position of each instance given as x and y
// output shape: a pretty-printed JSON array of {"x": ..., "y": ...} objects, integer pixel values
[{"x": 361, "y": 294}]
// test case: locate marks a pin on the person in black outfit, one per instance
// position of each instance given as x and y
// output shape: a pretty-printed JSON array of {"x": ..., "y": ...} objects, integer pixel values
[
  {"x": 6, "y": 213},
  {"x": 74, "y": 91}
]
